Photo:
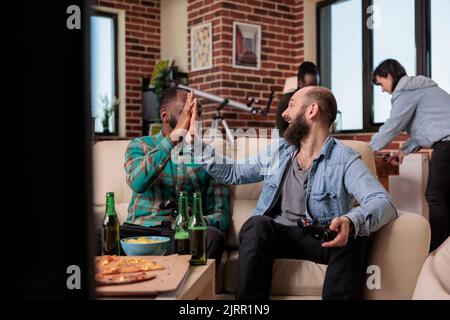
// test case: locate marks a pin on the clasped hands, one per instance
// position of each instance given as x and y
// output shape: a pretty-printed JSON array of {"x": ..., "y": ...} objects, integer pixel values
[{"x": 185, "y": 127}]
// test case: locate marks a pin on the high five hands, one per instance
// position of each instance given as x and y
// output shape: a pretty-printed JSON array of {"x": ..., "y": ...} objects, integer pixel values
[
  {"x": 185, "y": 128},
  {"x": 191, "y": 130}
]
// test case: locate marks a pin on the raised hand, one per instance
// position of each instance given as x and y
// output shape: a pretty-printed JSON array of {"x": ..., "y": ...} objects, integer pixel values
[
  {"x": 182, "y": 126},
  {"x": 190, "y": 135}
]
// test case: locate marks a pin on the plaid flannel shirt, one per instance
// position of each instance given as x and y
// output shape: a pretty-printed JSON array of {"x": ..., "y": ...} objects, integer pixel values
[{"x": 154, "y": 177}]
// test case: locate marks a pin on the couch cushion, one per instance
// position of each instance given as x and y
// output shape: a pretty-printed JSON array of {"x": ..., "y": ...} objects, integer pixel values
[
  {"x": 434, "y": 279},
  {"x": 241, "y": 211},
  {"x": 249, "y": 191},
  {"x": 289, "y": 277},
  {"x": 109, "y": 172}
]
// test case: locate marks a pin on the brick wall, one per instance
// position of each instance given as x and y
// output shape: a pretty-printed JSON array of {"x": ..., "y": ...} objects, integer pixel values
[
  {"x": 143, "y": 45},
  {"x": 281, "y": 52}
]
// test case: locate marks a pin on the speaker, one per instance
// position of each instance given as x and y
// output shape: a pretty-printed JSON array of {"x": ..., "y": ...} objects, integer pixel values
[{"x": 150, "y": 106}]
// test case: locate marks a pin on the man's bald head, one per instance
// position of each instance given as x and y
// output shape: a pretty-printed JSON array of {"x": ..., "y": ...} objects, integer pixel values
[{"x": 323, "y": 97}]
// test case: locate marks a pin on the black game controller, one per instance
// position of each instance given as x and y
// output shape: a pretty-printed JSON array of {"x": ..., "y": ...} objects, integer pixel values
[
  {"x": 316, "y": 230},
  {"x": 169, "y": 205}
]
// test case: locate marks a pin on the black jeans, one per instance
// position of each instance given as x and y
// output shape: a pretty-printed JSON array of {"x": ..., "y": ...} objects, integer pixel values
[
  {"x": 262, "y": 240},
  {"x": 438, "y": 193},
  {"x": 215, "y": 239}
]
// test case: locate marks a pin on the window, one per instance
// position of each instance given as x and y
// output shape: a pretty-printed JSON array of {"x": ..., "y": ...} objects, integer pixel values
[
  {"x": 440, "y": 42},
  {"x": 103, "y": 68},
  {"x": 341, "y": 54},
  {"x": 414, "y": 32},
  {"x": 392, "y": 40}
]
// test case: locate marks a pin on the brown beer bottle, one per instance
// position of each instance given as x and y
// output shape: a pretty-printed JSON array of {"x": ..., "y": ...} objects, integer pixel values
[
  {"x": 110, "y": 228},
  {"x": 181, "y": 225},
  {"x": 197, "y": 232}
]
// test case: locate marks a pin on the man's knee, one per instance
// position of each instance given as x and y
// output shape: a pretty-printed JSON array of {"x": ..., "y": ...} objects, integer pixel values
[
  {"x": 215, "y": 237},
  {"x": 256, "y": 225}
]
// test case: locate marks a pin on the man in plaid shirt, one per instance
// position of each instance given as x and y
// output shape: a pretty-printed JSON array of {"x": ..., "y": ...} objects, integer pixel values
[{"x": 157, "y": 169}]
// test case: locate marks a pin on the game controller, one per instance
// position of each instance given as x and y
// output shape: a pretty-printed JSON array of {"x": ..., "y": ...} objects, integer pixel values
[
  {"x": 316, "y": 230},
  {"x": 170, "y": 205}
]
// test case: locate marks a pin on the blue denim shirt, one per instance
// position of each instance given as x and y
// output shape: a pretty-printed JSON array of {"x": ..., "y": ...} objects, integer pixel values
[{"x": 337, "y": 176}]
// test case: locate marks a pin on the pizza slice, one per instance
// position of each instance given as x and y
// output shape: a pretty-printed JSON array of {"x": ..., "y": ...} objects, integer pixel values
[
  {"x": 114, "y": 279},
  {"x": 119, "y": 270}
]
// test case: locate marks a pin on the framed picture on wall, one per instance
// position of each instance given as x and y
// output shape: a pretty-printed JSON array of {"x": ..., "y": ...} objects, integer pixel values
[
  {"x": 246, "y": 46},
  {"x": 201, "y": 47}
]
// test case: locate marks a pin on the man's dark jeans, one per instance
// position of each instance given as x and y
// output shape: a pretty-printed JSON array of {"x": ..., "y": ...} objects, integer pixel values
[
  {"x": 438, "y": 193},
  {"x": 262, "y": 240}
]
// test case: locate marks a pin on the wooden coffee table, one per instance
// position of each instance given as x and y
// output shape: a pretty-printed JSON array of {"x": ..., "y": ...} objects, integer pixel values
[{"x": 198, "y": 283}]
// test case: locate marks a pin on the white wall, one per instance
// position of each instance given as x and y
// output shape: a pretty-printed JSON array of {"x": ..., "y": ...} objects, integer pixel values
[
  {"x": 309, "y": 26},
  {"x": 174, "y": 32}
]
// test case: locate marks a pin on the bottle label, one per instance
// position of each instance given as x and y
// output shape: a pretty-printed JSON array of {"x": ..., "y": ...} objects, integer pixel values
[{"x": 181, "y": 235}]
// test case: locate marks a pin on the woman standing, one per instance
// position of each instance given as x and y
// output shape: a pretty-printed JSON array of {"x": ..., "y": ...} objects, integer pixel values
[{"x": 422, "y": 109}]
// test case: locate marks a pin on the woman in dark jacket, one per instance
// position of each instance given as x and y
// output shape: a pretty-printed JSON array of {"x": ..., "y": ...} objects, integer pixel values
[{"x": 422, "y": 109}]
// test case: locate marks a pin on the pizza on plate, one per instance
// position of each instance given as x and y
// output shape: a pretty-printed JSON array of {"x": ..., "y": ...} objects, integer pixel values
[{"x": 121, "y": 270}]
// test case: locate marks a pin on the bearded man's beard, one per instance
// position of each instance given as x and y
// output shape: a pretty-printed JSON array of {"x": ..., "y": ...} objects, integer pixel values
[{"x": 297, "y": 130}]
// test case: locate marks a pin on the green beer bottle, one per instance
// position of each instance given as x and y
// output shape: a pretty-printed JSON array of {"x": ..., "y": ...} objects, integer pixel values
[
  {"x": 197, "y": 232},
  {"x": 181, "y": 225},
  {"x": 110, "y": 228}
]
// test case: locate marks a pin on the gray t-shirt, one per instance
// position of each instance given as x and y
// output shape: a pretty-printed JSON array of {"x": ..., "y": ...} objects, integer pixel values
[{"x": 293, "y": 195}]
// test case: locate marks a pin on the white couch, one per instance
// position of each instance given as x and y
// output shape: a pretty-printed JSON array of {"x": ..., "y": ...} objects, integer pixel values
[
  {"x": 399, "y": 249},
  {"x": 434, "y": 279}
]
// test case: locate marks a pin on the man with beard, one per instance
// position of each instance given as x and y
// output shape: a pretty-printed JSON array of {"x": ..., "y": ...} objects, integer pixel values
[
  {"x": 156, "y": 170},
  {"x": 311, "y": 175},
  {"x": 308, "y": 75}
]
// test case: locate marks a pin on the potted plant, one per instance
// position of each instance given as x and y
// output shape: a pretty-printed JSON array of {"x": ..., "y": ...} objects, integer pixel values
[
  {"x": 161, "y": 75},
  {"x": 108, "y": 110}
]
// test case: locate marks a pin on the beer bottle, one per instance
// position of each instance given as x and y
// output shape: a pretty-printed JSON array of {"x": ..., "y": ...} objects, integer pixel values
[
  {"x": 197, "y": 232},
  {"x": 181, "y": 225},
  {"x": 179, "y": 178},
  {"x": 110, "y": 228}
]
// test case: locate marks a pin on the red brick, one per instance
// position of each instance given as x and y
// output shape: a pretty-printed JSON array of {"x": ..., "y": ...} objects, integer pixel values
[
  {"x": 393, "y": 145},
  {"x": 363, "y": 137}
]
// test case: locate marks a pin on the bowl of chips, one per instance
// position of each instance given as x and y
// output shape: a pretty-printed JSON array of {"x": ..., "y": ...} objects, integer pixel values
[{"x": 145, "y": 246}]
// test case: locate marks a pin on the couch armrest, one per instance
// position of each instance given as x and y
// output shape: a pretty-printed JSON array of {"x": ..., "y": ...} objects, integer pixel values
[
  {"x": 399, "y": 249},
  {"x": 434, "y": 279}
]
